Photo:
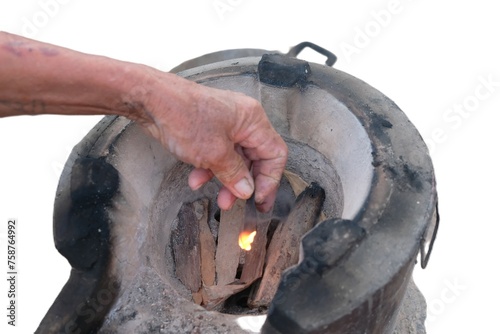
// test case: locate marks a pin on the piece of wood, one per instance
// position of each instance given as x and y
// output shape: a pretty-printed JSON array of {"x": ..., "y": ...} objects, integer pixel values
[
  {"x": 298, "y": 185},
  {"x": 214, "y": 296},
  {"x": 255, "y": 258},
  {"x": 284, "y": 249},
  {"x": 214, "y": 218},
  {"x": 207, "y": 243},
  {"x": 185, "y": 241},
  {"x": 228, "y": 251},
  {"x": 198, "y": 297}
]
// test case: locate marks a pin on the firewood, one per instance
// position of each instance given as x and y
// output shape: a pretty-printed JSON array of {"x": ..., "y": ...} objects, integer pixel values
[
  {"x": 198, "y": 297},
  {"x": 214, "y": 296},
  {"x": 284, "y": 249},
  {"x": 255, "y": 258},
  {"x": 298, "y": 185},
  {"x": 214, "y": 218},
  {"x": 228, "y": 251},
  {"x": 207, "y": 243},
  {"x": 185, "y": 241}
]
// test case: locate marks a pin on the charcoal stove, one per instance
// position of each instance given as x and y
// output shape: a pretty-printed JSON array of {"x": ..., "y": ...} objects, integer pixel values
[{"x": 120, "y": 193}]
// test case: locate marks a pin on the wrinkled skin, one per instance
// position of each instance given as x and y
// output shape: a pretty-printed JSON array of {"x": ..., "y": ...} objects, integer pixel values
[{"x": 221, "y": 133}]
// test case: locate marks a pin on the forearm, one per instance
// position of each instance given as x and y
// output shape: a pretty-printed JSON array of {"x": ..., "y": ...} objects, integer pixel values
[
  {"x": 216, "y": 130},
  {"x": 38, "y": 78}
]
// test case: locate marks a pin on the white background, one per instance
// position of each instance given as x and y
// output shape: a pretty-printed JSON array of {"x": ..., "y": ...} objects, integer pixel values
[{"x": 431, "y": 57}]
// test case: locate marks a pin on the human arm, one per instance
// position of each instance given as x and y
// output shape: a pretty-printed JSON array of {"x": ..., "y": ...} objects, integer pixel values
[{"x": 221, "y": 133}]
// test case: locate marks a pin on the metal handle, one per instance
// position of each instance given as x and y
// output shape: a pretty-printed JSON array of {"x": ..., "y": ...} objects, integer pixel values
[{"x": 330, "y": 57}]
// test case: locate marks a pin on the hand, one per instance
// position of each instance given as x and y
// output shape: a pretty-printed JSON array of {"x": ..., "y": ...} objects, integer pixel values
[{"x": 223, "y": 134}]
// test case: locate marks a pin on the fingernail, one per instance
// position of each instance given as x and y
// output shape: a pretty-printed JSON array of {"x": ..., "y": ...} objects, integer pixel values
[
  {"x": 198, "y": 186},
  {"x": 244, "y": 188}
]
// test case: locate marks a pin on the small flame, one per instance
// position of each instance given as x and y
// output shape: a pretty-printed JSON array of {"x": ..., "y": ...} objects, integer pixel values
[{"x": 245, "y": 240}]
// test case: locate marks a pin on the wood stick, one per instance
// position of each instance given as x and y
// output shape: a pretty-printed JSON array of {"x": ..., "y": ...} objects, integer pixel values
[
  {"x": 298, "y": 185},
  {"x": 228, "y": 251},
  {"x": 214, "y": 218},
  {"x": 185, "y": 241},
  {"x": 255, "y": 258},
  {"x": 214, "y": 296},
  {"x": 207, "y": 243},
  {"x": 284, "y": 248}
]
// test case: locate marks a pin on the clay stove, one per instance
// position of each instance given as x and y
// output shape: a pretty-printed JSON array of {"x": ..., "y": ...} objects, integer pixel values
[{"x": 120, "y": 194}]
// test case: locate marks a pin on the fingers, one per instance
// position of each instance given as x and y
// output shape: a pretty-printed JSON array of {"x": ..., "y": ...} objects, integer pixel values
[
  {"x": 233, "y": 171},
  {"x": 265, "y": 179},
  {"x": 226, "y": 199},
  {"x": 267, "y": 174},
  {"x": 266, "y": 190},
  {"x": 198, "y": 177},
  {"x": 263, "y": 152},
  {"x": 234, "y": 141},
  {"x": 234, "y": 174},
  {"x": 268, "y": 152}
]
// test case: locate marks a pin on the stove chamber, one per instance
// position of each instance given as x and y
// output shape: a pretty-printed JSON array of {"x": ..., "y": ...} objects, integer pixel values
[{"x": 120, "y": 193}]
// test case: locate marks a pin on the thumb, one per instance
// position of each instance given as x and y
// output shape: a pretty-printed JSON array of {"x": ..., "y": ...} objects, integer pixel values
[{"x": 235, "y": 175}]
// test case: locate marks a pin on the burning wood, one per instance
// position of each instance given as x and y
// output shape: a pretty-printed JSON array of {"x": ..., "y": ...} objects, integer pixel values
[
  {"x": 283, "y": 251},
  {"x": 255, "y": 258},
  {"x": 215, "y": 268},
  {"x": 249, "y": 230}
]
